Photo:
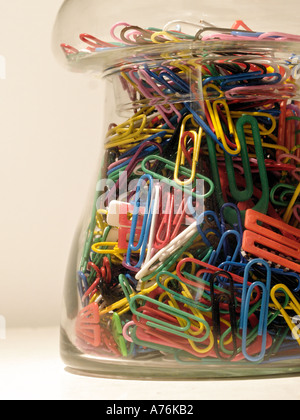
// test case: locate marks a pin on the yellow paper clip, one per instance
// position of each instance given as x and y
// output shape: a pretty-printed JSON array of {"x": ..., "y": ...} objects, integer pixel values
[
  {"x": 165, "y": 37},
  {"x": 180, "y": 159},
  {"x": 293, "y": 304},
  {"x": 215, "y": 118},
  {"x": 108, "y": 248},
  {"x": 289, "y": 211},
  {"x": 122, "y": 306}
]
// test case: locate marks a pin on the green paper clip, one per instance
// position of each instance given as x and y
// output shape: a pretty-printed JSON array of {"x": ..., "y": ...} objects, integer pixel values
[
  {"x": 118, "y": 334},
  {"x": 241, "y": 195}
]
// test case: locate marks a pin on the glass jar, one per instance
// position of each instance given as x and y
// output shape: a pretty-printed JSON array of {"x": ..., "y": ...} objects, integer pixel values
[{"x": 187, "y": 263}]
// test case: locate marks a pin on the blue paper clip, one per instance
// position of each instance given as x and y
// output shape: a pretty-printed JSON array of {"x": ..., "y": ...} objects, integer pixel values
[
  {"x": 200, "y": 220},
  {"x": 214, "y": 258},
  {"x": 243, "y": 33},
  {"x": 263, "y": 318},
  {"x": 236, "y": 226},
  {"x": 249, "y": 79},
  {"x": 145, "y": 230},
  {"x": 83, "y": 286}
]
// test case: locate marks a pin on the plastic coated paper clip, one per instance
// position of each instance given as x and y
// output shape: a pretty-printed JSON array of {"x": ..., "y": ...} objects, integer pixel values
[{"x": 257, "y": 238}]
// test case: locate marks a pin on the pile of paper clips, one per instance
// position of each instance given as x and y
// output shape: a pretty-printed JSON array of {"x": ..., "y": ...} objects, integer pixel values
[
  {"x": 193, "y": 249},
  {"x": 132, "y": 35}
]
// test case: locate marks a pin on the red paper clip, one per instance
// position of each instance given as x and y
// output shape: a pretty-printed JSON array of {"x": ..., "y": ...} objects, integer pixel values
[
  {"x": 257, "y": 236},
  {"x": 87, "y": 325},
  {"x": 172, "y": 221}
]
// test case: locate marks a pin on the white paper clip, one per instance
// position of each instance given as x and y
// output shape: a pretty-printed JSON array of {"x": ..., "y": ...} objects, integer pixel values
[{"x": 163, "y": 254}]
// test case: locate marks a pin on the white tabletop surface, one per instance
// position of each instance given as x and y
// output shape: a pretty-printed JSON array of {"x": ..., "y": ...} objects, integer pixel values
[{"x": 31, "y": 369}]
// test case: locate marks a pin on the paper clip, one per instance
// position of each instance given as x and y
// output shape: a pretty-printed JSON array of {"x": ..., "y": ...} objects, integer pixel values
[
  {"x": 296, "y": 212},
  {"x": 293, "y": 304},
  {"x": 289, "y": 211},
  {"x": 246, "y": 194},
  {"x": 278, "y": 36},
  {"x": 133, "y": 130},
  {"x": 243, "y": 79},
  {"x": 110, "y": 248},
  {"x": 294, "y": 171},
  {"x": 158, "y": 100},
  {"x": 285, "y": 91},
  {"x": 170, "y": 224},
  {"x": 263, "y": 318},
  {"x": 219, "y": 33},
  {"x": 122, "y": 306},
  {"x": 205, "y": 268},
  {"x": 280, "y": 194},
  {"x": 113, "y": 29},
  {"x": 140, "y": 36},
  {"x": 164, "y": 37},
  {"x": 123, "y": 177},
  {"x": 179, "y": 23},
  {"x": 141, "y": 246},
  {"x": 82, "y": 285},
  {"x": 68, "y": 49},
  {"x": 237, "y": 226},
  {"x": 178, "y": 243},
  {"x": 182, "y": 152},
  {"x": 216, "y": 299},
  {"x": 180, "y": 87},
  {"x": 208, "y": 217},
  {"x": 104, "y": 275},
  {"x": 164, "y": 278},
  {"x": 92, "y": 290},
  {"x": 94, "y": 42},
  {"x": 170, "y": 253},
  {"x": 184, "y": 171},
  {"x": 117, "y": 332},
  {"x": 216, "y": 123},
  {"x": 215, "y": 258},
  {"x": 257, "y": 238},
  {"x": 249, "y": 79},
  {"x": 87, "y": 325},
  {"x": 170, "y": 325},
  {"x": 241, "y": 195}
]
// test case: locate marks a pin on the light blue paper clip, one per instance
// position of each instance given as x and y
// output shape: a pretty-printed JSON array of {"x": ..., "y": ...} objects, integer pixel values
[
  {"x": 263, "y": 318},
  {"x": 145, "y": 230}
]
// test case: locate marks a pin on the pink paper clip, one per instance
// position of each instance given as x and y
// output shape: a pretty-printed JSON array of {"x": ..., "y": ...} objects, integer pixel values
[
  {"x": 171, "y": 223},
  {"x": 295, "y": 171},
  {"x": 278, "y": 36},
  {"x": 296, "y": 212},
  {"x": 113, "y": 29},
  {"x": 244, "y": 93}
]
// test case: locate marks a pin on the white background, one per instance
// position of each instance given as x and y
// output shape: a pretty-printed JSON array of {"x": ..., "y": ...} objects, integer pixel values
[{"x": 50, "y": 123}]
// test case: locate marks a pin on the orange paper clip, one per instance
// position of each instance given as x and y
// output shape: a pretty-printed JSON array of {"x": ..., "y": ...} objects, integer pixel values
[{"x": 259, "y": 235}]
